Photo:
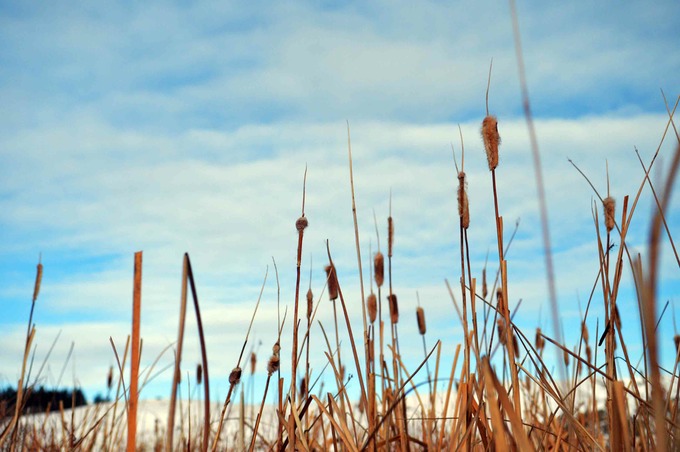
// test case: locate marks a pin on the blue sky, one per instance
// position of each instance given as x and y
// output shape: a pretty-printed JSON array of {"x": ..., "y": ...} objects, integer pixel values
[{"x": 173, "y": 127}]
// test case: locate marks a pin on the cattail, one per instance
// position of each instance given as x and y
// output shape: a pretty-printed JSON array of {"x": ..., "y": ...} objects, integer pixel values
[
  {"x": 485, "y": 290},
  {"x": 253, "y": 362},
  {"x": 235, "y": 376},
  {"x": 199, "y": 374},
  {"x": 379, "y": 268},
  {"x": 515, "y": 344},
  {"x": 274, "y": 362},
  {"x": 676, "y": 340},
  {"x": 109, "y": 379},
  {"x": 584, "y": 331},
  {"x": 390, "y": 236},
  {"x": 420, "y": 316},
  {"x": 310, "y": 304},
  {"x": 372, "y": 306},
  {"x": 501, "y": 301},
  {"x": 301, "y": 224},
  {"x": 394, "y": 308},
  {"x": 38, "y": 280},
  {"x": 589, "y": 354},
  {"x": 303, "y": 387},
  {"x": 539, "y": 341},
  {"x": 463, "y": 208},
  {"x": 332, "y": 282},
  {"x": 565, "y": 355},
  {"x": 609, "y": 208},
  {"x": 491, "y": 140},
  {"x": 500, "y": 326}
]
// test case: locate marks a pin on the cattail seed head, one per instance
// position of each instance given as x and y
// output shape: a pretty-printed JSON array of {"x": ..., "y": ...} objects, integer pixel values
[
  {"x": 109, "y": 378},
  {"x": 235, "y": 376},
  {"x": 500, "y": 327},
  {"x": 584, "y": 331},
  {"x": 379, "y": 268},
  {"x": 394, "y": 308},
  {"x": 199, "y": 374},
  {"x": 372, "y": 306},
  {"x": 491, "y": 140},
  {"x": 463, "y": 208},
  {"x": 303, "y": 387},
  {"x": 332, "y": 282},
  {"x": 390, "y": 236},
  {"x": 420, "y": 316},
  {"x": 253, "y": 362},
  {"x": 676, "y": 340},
  {"x": 276, "y": 348},
  {"x": 501, "y": 302},
  {"x": 273, "y": 364},
  {"x": 310, "y": 304},
  {"x": 301, "y": 224},
  {"x": 539, "y": 341},
  {"x": 565, "y": 355},
  {"x": 589, "y": 354},
  {"x": 485, "y": 289},
  {"x": 609, "y": 209},
  {"x": 38, "y": 280},
  {"x": 515, "y": 344}
]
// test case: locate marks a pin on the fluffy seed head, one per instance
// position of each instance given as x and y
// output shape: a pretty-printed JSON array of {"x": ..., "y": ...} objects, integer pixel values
[
  {"x": 332, "y": 282},
  {"x": 609, "y": 209},
  {"x": 394, "y": 308},
  {"x": 372, "y": 306},
  {"x": 273, "y": 364},
  {"x": 420, "y": 316},
  {"x": 491, "y": 140},
  {"x": 235, "y": 376},
  {"x": 390, "y": 236},
  {"x": 301, "y": 223},
  {"x": 379, "y": 268}
]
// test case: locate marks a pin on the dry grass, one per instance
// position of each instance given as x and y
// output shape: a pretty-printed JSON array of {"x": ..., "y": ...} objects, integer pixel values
[{"x": 474, "y": 405}]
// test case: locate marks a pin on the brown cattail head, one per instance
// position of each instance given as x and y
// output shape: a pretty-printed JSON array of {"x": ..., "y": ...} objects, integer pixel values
[
  {"x": 463, "y": 208},
  {"x": 372, "y": 306},
  {"x": 332, "y": 282},
  {"x": 273, "y": 364},
  {"x": 485, "y": 289},
  {"x": 235, "y": 376},
  {"x": 301, "y": 224},
  {"x": 500, "y": 326},
  {"x": 310, "y": 304},
  {"x": 491, "y": 140},
  {"x": 109, "y": 378},
  {"x": 609, "y": 209},
  {"x": 515, "y": 344},
  {"x": 676, "y": 340},
  {"x": 38, "y": 280},
  {"x": 589, "y": 354},
  {"x": 501, "y": 302},
  {"x": 199, "y": 374},
  {"x": 303, "y": 387},
  {"x": 420, "y": 316},
  {"x": 539, "y": 342},
  {"x": 253, "y": 362},
  {"x": 390, "y": 236},
  {"x": 394, "y": 308},
  {"x": 565, "y": 355},
  {"x": 379, "y": 268},
  {"x": 584, "y": 331}
]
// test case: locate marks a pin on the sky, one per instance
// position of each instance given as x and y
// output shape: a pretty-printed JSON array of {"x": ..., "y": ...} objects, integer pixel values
[{"x": 173, "y": 127}]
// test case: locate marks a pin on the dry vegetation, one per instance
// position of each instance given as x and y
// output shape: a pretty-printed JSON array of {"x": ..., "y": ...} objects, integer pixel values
[{"x": 499, "y": 394}]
